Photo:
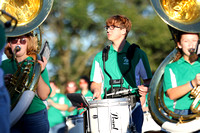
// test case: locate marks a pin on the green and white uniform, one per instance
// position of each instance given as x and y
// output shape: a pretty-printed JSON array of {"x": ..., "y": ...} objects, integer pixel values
[
  {"x": 10, "y": 67},
  {"x": 56, "y": 116},
  {"x": 89, "y": 94},
  {"x": 179, "y": 73},
  {"x": 117, "y": 64}
]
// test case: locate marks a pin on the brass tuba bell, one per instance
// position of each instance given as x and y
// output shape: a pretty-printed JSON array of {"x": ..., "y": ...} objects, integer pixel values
[
  {"x": 182, "y": 15},
  {"x": 179, "y": 15},
  {"x": 30, "y": 14}
]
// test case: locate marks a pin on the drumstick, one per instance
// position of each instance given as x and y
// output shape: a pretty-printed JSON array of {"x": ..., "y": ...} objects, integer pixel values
[{"x": 119, "y": 92}]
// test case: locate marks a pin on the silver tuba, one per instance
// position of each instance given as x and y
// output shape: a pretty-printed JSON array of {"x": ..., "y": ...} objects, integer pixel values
[
  {"x": 30, "y": 14},
  {"x": 179, "y": 15}
]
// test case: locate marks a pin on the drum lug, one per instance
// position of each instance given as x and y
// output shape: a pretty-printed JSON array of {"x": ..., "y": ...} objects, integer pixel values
[{"x": 95, "y": 116}]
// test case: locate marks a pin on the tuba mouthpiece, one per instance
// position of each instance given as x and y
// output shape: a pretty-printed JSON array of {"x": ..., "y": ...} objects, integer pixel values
[
  {"x": 17, "y": 48},
  {"x": 193, "y": 56}
]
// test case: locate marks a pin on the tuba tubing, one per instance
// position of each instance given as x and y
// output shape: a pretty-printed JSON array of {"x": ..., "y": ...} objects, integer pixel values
[
  {"x": 188, "y": 127},
  {"x": 21, "y": 106},
  {"x": 26, "y": 97},
  {"x": 181, "y": 18},
  {"x": 153, "y": 91}
]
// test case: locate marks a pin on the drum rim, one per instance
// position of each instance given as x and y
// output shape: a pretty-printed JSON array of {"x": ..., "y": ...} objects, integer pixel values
[{"x": 109, "y": 102}]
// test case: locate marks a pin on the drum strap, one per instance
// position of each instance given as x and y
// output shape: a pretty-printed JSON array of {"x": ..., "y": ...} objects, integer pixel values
[{"x": 129, "y": 55}]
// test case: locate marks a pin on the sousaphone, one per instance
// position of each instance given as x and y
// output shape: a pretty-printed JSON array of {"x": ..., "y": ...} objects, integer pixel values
[
  {"x": 30, "y": 14},
  {"x": 179, "y": 15}
]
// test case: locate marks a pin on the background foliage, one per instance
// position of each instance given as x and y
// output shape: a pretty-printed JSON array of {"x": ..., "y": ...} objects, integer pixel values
[{"x": 79, "y": 29}]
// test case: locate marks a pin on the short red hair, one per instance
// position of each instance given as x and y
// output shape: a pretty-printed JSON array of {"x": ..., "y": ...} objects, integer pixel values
[{"x": 121, "y": 21}]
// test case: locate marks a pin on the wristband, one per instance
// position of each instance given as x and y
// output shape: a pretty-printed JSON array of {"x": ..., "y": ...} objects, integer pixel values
[{"x": 191, "y": 85}]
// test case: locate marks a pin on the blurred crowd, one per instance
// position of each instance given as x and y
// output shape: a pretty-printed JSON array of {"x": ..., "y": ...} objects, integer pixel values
[{"x": 62, "y": 115}]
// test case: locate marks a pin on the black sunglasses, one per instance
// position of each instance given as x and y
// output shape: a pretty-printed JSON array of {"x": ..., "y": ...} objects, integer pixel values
[{"x": 15, "y": 40}]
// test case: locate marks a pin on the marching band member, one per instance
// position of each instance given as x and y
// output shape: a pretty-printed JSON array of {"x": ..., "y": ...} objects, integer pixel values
[
  {"x": 35, "y": 118},
  {"x": 181, "y": 76},
  {"x": 117, "y": 28}
]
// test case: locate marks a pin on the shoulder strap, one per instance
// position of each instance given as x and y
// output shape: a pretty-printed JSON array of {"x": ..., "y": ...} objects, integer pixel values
[
  {"x": 131, "y": 51},
  {"x": 105, "y": 52},
  {"x": 129, "y": 55}
]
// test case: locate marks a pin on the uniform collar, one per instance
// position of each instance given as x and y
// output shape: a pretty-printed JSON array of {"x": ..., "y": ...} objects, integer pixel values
[
  {"x": 124, "y": 50},
  {"x": 181, "y": 60},
  {"x": 28, "y": 58}
]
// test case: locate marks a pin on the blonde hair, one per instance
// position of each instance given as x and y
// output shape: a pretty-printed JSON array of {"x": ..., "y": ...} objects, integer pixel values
[{"x": 32, "y": 46}]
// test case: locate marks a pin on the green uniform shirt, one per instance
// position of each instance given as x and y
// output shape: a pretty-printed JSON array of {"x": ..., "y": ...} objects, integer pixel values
[
  {"x": 88, "y": 96},
  {"x": 56, "y": 116},
  {"x": 10, "y": 67},
  {"x": 117, "y": 64},
  {"x": 177, "y": 74}
]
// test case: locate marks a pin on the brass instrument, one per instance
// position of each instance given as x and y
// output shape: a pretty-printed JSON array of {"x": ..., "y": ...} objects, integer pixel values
[
  {"x": 30, "y": 14},
  {"x": 179, "y": 15},
  {"x": 10, "y": 23},
  {"x": 195, "y": 107}
]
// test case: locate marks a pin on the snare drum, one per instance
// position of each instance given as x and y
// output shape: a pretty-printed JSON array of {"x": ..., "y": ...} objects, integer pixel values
[
  {"x": 109, "y": 115},
  {"x": 75, "y": 124}
]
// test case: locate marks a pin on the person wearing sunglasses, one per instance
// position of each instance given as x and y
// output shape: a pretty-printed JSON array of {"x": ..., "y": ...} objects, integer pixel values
[
  {"x": 22, "y": 49},
  {"x": 117, "y": 28}
]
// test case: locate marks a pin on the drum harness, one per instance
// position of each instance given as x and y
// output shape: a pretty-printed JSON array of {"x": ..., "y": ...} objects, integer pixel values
[{"x": 119, "y": 92}]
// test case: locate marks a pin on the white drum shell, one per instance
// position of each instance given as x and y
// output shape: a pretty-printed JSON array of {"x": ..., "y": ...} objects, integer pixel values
[{"x": 109, "y": 115}]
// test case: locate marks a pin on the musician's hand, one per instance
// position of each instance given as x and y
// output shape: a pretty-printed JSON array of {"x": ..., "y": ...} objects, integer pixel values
[
  {"x": 7, "y": 79},
  {"x": 143, "y": 90},
  {"x": 43, "y": 63},
  {"x": 196, "y": 81},
  {"x": 97, "y": 94},
  {"x": 96, "y": 89}
]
